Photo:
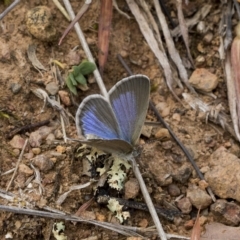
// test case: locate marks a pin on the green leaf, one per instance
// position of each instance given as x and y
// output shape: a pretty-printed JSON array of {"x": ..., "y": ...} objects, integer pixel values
[
  {"x": 81, "y": 79},
  {"x": 71, "y": 87},
  {"x": 76, "y": 70},
  {"x": 86, "y": 67},
  {"x": 72, "y": 78}
]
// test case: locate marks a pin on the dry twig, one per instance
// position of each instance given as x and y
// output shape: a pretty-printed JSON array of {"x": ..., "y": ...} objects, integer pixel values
[{"x": 17, "y": 165}]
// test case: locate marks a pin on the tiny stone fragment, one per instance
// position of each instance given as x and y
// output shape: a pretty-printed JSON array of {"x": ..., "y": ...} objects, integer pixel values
[
  {"x": 24, "y": 169},
  {"x": 16, "y": 87},
  {"x": 226, "y": 212},
  {"x": 185, "y": 205},
  {"x": 198, "y": 197},
  {"x": 173, "y": 190},
  {"x": 203, "y": 80},
  {"x": 131, "y": 188},
  {"x": 65, "y": 98},
  {"x": 52, "y": 88}
]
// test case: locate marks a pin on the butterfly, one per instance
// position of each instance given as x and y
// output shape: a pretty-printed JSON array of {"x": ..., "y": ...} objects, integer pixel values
[{"x": 113, "y": 124}]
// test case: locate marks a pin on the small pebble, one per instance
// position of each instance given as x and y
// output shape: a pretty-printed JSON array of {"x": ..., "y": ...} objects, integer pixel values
[
  {"x": 198, "y": 197},
  {"x": 52, "y": 88},
  {"x": 162, "y": 134},
  {"x": 173, "y": 190},
  {"x": 16, "y": 152},
  {"x": 147, "y": 131},
  {"x": 176, "y": 117},
  {"x": 61, "y": 149},
  {"x": 167, "y": 145},
  {"x": 189, "y": 224},
  {"x": 27, "y": 171},
  {"x": 50, "y": 138},
  {"x": 163, "y": 108},
  {"x": 17, "y": 142},
  {"x": 203, "y": 80},
  {"x": 203, "y": 220},
  {"x": 184, "y": 205},
  {"x": 16, "y": 87},
  {"x": 65, "y": 98},
  {"x": 131, "y": 188},
  {"x": 202, "y": 184},
  {"x": 58, "y": 134},
  {"x": 143, "y": 223},
  {"x": 36, "y": 151},
  {"x": 100, "y": 217},
  {"x": 43, "y": 163}
]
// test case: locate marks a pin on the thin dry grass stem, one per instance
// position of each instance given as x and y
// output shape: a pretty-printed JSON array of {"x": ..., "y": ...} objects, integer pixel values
[
  {"x": 104, "y": 28},
  {"x": 62, "y": 124},
  {"x": 17, "y": 165},
  {"x": 201, "y": 14},
  {"x": 9, "y": 8},
  {"x": 61, "y": 9},
  {"x": 184, "y": 30},
  {"x": 196, "y": 232},
  {"x": 219, "y": 118},
  {"x": 86, "y": 49},
  {"x": 171, "y": 46},
  {"x": 119, "y": 10},
  {"x": 232, "y": 98},
  {"x": 148, "y": 201},
  {"x": 152, "y": 23},
  {"x": 80, "y": 13},
  {"x": 153, "y": 44}
]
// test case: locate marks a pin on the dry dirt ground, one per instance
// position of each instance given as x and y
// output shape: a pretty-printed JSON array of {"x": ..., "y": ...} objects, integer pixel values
[{"x": 24, "y": 108}]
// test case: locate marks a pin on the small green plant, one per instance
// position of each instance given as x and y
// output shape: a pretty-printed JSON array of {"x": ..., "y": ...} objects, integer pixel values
[{"x": 77, "y": 75}]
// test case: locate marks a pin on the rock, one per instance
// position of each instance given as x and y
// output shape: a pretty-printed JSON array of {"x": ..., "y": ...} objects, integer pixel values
[
  {"x": 203, "y": 220},
  {"x": 184, "y": 205},
  {"x": 100, "y": 217},
  {"x": 24, "y": 169},
  {"x": 163, "y": 134},
  {"x": 52, "y": 88},
  {"x": 43, "y": 163},
  {"x": 17, "y": 142},
  {"x": 40, "y": 23},
  {"x": 226, "y": 212},
  {"x": 143, "y": 223},
  {"x": 61, "y": 149},
  {"x": 223, "y": 176},
  {"x": 202, "y": 184},
  {"x": 36, "y": 151},
  {"x": 176, "y": 117},
  {"x": 146, "y": 131},
  {"x": 167, "y": 145},
  {"x": 198, "y": 197},
  {"x": 131, "y": 188},
  {"x": 163, "y": 108},
  {"x": 173, "y": 190},
  {"x": 50, "y": 138},
  {"x": 36, "y": 137},
  {"x": 58, "y": 134},
  {"x": 157, "y": 164},
  {"x": 16, "y": 87},
  {"x": 65, "y": 98},
  {"x": 182, "y": 174},
  {"x": 16, "y": 152},
  {"x": 203, "y": 80},
  {"x": 189, "y": 224},
  {"x": 73, "y": 58}
]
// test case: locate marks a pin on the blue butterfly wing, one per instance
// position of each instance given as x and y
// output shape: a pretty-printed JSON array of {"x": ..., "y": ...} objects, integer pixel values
[
  {"x": 129, "y": 99},
  {"x": 95, "y": 119}
]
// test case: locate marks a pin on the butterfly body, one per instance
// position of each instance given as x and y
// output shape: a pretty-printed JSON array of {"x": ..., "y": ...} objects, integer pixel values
[{"x": 114, "y": 124}]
